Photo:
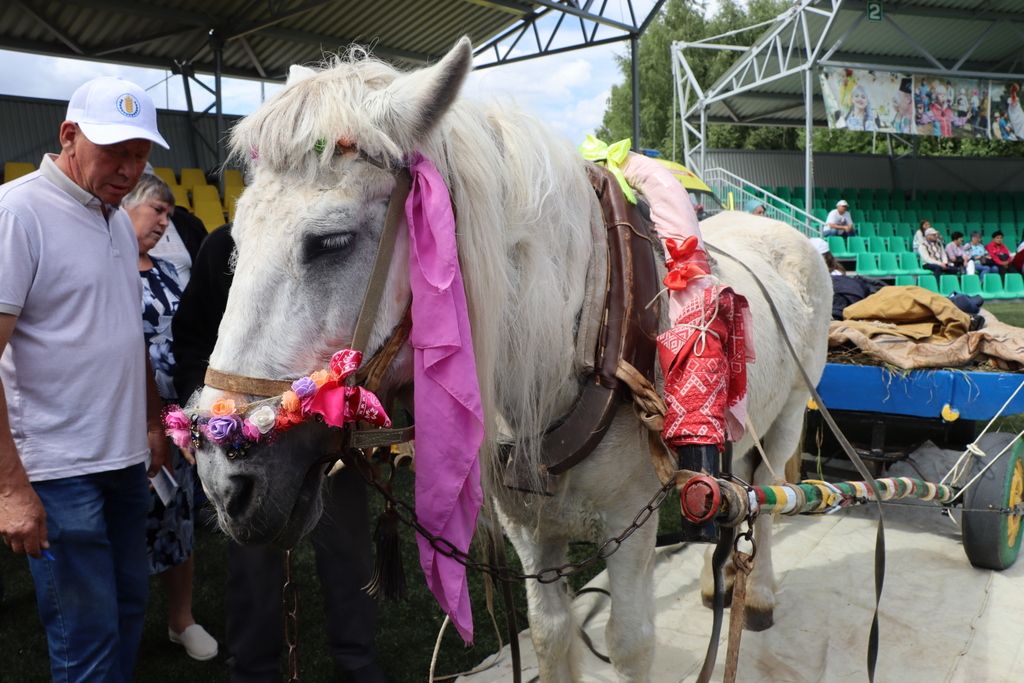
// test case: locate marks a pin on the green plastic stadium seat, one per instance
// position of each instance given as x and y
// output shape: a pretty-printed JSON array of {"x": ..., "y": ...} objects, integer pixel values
[
  {"x": 1014, "y": 286},
  {"x": 928, "y": 282},
  {"x": 897, "y": 244},
  {"x": 856, "y": 245},
  {"x": 909, "y": 264},
  {"x": 866, "y": 229},
  {"x": 877, "y": 245},
  {"x": 885, "y": 229},
  {"x": 905, "y": 280},
  {"x": 888, "y": 264},
  {"x": 949, "y": 284},
  {"x": 867, "y": 264},
  {"x": 971, "y": 285},
  {"x": 992, "y": 286},
  {"x": 837, "y": 245}
]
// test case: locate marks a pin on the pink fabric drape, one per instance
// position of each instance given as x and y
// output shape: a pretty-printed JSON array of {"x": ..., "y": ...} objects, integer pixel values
[{"x": 449, "y": 413}]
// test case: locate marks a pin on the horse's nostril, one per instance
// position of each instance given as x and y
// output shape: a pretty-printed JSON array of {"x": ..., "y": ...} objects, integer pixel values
[{"x": 240, "y": 495}]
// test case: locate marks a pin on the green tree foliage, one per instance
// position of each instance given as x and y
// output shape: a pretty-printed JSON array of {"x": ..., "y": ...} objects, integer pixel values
[{"x": 691, "y": 20}]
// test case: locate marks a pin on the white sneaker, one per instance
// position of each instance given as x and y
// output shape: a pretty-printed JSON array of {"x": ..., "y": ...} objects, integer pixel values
[{"x": 199, "y": 644}]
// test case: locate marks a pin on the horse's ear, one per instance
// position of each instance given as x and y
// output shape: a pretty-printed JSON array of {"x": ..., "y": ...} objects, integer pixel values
[
  {"x": 418, "y": 100},
  {"x": 296, "y": 73}
]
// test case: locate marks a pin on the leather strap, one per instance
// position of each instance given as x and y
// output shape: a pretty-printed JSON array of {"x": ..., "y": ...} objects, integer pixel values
[
  {"x": 240, "y": 384},
  {"x": 744, "y": 564},
  {"x": 382, "y": 262},
  {"x": 848, "y": 449}
]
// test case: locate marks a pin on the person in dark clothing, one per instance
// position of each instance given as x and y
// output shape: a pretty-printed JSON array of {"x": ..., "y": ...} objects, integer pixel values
[{"x": 341, "y": 541}]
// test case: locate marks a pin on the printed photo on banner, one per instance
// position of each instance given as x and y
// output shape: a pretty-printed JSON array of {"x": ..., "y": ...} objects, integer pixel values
[
  {"x": 1007, "y": 119},
  {"x": 951, "y": 107},
  {"x": 871, "y": 101}
]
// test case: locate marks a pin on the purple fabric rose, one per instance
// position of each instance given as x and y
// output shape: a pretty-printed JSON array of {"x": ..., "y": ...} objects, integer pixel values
[
  {"x": 221, "y": 429},
  {"x": 305, "y": 388}
]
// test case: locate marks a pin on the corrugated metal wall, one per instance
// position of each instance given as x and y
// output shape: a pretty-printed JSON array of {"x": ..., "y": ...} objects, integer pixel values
[
  {"x": 29, "y": 127},
  {"x": 984, "y": 174}
]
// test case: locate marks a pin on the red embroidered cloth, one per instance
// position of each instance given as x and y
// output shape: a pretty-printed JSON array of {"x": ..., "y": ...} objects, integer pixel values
[{"x": 704, "y": 362}]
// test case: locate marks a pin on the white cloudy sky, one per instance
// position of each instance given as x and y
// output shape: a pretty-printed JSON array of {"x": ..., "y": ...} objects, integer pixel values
[{"x": 569, "y": 90}]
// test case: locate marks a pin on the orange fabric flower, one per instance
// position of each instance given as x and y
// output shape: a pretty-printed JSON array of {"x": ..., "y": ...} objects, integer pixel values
[
  {"x": 222, "y": 407},
  {"x": 320, "y": 377},
  {"x": 290, "y": 402}
]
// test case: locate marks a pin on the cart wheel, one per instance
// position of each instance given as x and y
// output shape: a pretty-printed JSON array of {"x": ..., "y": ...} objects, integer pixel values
[{"x": 992, "y": 540}]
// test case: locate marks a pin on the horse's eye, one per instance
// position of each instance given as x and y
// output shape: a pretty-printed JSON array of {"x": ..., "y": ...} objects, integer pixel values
[{"x": 320, "y": 245}]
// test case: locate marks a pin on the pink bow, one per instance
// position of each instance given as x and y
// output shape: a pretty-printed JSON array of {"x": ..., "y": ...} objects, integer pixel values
[{"x": 339, "y": 404}]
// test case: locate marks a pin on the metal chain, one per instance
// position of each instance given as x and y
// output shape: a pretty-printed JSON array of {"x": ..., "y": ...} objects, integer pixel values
[
  {"x": 550, "y": 575},
  {"x": 290, "y": 598}
]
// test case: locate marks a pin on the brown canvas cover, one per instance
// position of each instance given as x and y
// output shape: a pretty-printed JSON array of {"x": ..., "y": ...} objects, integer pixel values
[{"x": 911, "y": 327}]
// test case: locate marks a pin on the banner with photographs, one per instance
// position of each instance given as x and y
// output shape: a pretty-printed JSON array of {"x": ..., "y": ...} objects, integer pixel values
[
  {"x": 937, "y": 106},
  {"x": 872, "y": 101},
  {"x": 951, "y": 107},
  {"x": 1007, "y": 119}
]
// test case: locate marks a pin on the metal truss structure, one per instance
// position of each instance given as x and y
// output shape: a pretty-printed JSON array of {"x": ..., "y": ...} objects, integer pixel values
[{"x": 773, "y": 82}]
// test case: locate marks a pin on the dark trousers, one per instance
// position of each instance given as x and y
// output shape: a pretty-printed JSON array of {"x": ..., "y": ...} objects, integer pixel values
[{"x": 341, "y": 542}]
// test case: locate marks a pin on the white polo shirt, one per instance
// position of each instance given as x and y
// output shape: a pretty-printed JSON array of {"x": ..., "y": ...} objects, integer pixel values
[{"x": 74, "y": 369}]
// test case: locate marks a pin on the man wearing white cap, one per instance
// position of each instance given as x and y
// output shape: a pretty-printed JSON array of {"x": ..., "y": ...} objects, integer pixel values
[
  {"x": 838, "y": 221},
  {"x": 78, "y": 391}
]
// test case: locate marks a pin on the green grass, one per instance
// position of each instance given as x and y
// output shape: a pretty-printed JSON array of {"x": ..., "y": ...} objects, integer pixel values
[
  {"x": 1009, "y": 312},
  {"x": 405, "y": 635}
]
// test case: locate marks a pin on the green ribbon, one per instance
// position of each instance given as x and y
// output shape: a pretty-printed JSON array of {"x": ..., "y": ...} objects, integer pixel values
[{"x": 613, "y": 156}]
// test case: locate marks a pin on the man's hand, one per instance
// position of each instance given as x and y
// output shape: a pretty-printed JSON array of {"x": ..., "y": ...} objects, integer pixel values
[
  {"x": 22, "y": 518},
  {"x": 157, "y": 450}
]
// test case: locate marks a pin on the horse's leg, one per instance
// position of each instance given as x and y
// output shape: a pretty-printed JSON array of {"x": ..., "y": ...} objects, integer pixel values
[
  {"x": 552, "y": 624},
  {"x": 630, "y": 630},
  {"x": 780, "y": 444}
]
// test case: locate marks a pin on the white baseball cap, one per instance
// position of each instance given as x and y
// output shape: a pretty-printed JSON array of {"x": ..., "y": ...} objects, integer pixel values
[
  {"x": 820, "y": 245},
  {"x": 841, "y": 202},
  {"x": 111, "y": 110}
]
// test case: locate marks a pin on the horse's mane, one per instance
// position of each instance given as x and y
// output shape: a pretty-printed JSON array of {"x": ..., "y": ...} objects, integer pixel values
[{"x": 523, "y": 206}]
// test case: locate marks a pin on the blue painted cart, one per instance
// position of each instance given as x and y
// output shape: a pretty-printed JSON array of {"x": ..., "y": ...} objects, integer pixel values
[{"x": 887, "y": 415}]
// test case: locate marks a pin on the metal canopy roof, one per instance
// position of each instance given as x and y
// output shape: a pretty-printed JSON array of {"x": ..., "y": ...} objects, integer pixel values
[
  {"x": 260, "y": 38},
  {"x": 766, "y": 84}
]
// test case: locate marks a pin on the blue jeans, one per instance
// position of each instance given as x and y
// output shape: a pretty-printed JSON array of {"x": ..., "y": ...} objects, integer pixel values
[
  {"x": 92, "y": 594},
  {"x": 832, "y": 232}
]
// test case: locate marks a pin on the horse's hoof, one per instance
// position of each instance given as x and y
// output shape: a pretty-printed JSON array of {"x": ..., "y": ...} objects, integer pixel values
[
  {"x": 707, "y": 599},
  {"x": 758, "y": 619}
]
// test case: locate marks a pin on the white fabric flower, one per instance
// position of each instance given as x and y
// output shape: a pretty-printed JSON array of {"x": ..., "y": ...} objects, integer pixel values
[{"x": 263, "y": 418}]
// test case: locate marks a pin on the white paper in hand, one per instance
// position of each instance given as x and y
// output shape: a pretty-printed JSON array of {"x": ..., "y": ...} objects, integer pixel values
[{"x": 165, "y": 485}]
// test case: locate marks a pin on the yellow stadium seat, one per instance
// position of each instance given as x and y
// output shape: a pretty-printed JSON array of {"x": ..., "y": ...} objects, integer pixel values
[
  {"x": 232, "y": 178},
  {"x": 16, "y": 169},
  {"x": 165, "y": 174},
  {"x": 212, "y": 215},
  {"x": 180, "y": 196},
  {"x": 205, "y": 193},
  {"x": 190, "y": 177}
]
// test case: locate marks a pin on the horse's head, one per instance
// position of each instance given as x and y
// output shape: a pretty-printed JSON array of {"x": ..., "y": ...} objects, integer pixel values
[{"x": 321, "y": 157}]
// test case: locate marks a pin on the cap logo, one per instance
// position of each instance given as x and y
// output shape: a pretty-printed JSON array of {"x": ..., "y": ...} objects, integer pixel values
[{"x": 128, "y": 105}]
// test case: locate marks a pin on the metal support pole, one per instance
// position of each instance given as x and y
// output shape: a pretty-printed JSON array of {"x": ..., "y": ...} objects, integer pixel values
[
  {"x": 703, "y": 139},
  {"x": 185, "y": 69},
  {"x": 217, "y": 45},
  {"x": 634, "y": 58},
  {"x": 808, "y": 139}
]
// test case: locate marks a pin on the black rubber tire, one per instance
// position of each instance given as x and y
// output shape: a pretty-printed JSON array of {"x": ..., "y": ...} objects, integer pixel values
[{"x": 986, "y": 534}]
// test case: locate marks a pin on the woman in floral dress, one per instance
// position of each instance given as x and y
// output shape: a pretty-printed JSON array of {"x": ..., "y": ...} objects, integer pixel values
[{"x": 169, "y": 526}]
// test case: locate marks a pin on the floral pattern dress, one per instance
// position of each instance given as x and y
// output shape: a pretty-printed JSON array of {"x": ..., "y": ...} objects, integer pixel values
[{"x": 168, "y": 527}]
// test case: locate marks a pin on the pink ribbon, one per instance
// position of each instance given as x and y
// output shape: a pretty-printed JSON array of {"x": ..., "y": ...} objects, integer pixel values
[
  {"x": 339, "y": 404},
  {"x": 449, "y": 414}
]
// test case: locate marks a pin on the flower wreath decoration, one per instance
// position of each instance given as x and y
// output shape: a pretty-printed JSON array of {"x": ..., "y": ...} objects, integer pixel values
[{"x": 322, "y": 394}]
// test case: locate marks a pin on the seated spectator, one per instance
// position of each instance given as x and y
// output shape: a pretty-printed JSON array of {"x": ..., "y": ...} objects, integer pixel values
[
  {"x": 933, "y": 255},
  {"x": 979, "y": 255},
  {"x": 754, "y": 206},
  {"x": 956, "y": 251},
  {"x": 919, "y": 234},
  {"x": 838, "y": 222},
  {"x": 998, "y": 252},
  {"x": 834, "y": 267}
]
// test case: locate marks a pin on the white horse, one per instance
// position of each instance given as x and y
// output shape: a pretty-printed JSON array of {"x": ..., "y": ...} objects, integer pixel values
[{"x": 306, "y": 230}]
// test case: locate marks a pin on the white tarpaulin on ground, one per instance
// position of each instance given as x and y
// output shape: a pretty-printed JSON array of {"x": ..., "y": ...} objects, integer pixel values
[{"x": 941, "y": 619}]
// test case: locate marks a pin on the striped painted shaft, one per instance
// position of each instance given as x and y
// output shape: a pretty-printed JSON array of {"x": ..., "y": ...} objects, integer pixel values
[{"x": 818, "y": 496}]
